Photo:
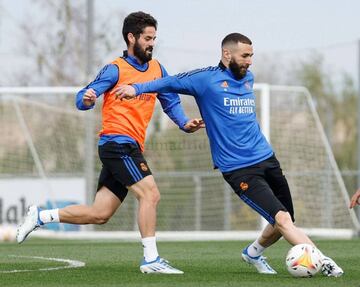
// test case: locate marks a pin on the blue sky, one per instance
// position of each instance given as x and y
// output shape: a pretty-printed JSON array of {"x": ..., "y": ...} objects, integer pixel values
[{"x": 191, "y": 30}]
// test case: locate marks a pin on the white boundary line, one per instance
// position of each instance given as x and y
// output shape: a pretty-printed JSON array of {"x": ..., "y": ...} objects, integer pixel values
[
  {"x": 71, "y": 264},
  {"x": 177, "y": 236}
]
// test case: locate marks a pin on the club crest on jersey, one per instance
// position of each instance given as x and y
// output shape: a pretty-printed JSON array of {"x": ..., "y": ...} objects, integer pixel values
[
  {"x": 224, "y": 85},
  {"x": 247, "y": 85},
  {"x": 143, "y": 166},
  {"x": 244, "y": 186}
]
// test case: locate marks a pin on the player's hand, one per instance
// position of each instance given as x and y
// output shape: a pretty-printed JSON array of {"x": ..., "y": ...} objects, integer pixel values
[
  {"x": 124, "y": 92},
  {"x": 355, "y": 199},
  {"x": 193, "y": 125},
  {"x": 89, "y": 98}
]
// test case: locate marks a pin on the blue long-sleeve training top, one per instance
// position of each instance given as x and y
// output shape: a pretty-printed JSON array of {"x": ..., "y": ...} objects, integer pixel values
[
  {"x": 107, "y": 79},
  {"x": 228, "y": 108}
]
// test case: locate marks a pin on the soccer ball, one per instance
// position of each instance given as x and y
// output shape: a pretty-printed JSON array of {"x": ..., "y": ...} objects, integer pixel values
[
  {"x": 303, "y": 260},
  {"x": 7, "y": 233}
]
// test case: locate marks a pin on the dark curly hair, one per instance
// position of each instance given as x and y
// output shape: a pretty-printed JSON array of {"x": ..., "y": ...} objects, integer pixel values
[{"x": 135, "y": 23}]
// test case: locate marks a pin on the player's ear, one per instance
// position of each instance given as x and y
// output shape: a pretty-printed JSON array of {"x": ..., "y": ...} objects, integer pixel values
[
  {"x": 226, "y": 54},
  {"x": 131, "y": 38}
]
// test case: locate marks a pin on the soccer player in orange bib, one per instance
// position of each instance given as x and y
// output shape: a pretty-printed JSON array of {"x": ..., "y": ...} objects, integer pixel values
[{"x": 121, "y": 143}]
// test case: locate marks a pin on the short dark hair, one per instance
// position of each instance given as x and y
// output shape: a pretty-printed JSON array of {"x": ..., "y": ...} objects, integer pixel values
[
  {"x": 235, "y": 38},
  {"x": 135, "y": 23}
]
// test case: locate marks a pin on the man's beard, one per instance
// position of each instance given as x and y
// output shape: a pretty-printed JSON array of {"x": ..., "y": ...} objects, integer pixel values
[
  {"x": 238, "y": 71},
  {"x": 141, "y": 54}
]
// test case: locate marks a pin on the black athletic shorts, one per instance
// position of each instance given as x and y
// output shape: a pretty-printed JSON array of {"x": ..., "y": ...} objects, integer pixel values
[
  {"x": 123, "y": 165},
  {"x": 263, "y": 187}
]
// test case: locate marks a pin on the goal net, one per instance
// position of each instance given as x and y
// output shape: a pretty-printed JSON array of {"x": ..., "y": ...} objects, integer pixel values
[{"x": 48, "y": 157}]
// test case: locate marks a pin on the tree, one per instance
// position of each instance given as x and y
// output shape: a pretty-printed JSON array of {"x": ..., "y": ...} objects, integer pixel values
[
  {"x": 312, "y": 75},
  {"x": 336, "y": 107},
  {"x": 55, "y": 42},
  {"x": 345, "y": 128}
]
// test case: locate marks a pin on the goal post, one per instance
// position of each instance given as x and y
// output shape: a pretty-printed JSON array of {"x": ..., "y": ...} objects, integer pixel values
[
  {"x": 43, "y": 160},
  {"x": 331, "y": 162},
  {"x": 333, "y": 198}
]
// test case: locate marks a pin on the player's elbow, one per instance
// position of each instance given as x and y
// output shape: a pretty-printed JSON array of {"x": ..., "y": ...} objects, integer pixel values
[
  {"x": 80, "y": 105},
  {"x": 79, "y": 101}
]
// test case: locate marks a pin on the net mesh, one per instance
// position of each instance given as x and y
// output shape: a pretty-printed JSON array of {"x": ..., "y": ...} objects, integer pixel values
[{"x": 194, "y": 196}]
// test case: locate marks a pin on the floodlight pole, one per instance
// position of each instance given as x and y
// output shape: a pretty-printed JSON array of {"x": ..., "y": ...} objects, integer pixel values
[
  {"x": 265, "y": 125},
  {"x": 89, "y": 125}
]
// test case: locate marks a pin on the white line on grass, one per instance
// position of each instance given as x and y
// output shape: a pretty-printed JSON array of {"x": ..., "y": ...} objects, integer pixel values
[{"x": 71, "y": 264}]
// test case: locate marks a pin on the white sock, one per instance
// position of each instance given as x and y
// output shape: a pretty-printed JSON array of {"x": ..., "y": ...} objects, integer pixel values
[
  {"x": 150, "y": 249},
  {"x": 49, "y": 216},
  {"x": 255, "y": 249},
  {"x": 322, "y": 256}
]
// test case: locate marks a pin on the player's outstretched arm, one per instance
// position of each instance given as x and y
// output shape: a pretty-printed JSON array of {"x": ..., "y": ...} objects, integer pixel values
[
  {"x": 355, "y": 199},
  {"x": 104, "y": 81},
  {"x": 194, "y": 125}
]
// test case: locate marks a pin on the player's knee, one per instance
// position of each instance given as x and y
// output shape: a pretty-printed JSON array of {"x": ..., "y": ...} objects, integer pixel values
[
  {"x": 154, "y": 195},
  {"x": 283, "y": 219},
  {"x": 101, "y": 218},
  {"x": 148, "y": 193}
]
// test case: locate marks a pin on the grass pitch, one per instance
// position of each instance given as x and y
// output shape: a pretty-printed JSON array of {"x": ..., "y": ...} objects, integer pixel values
[{"x": 111, "y": 263}]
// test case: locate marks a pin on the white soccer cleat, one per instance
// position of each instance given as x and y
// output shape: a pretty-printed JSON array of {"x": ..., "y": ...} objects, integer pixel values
[
  {"x": 31, "y": 222},
  {"x": 159, "y": 265},
  {"x": 330, "y": 268},
  {"x": 259, "y": 263}
]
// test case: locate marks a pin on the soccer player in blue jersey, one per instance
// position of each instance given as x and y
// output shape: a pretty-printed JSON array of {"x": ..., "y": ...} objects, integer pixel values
[{"x": 225, "y": 97}]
